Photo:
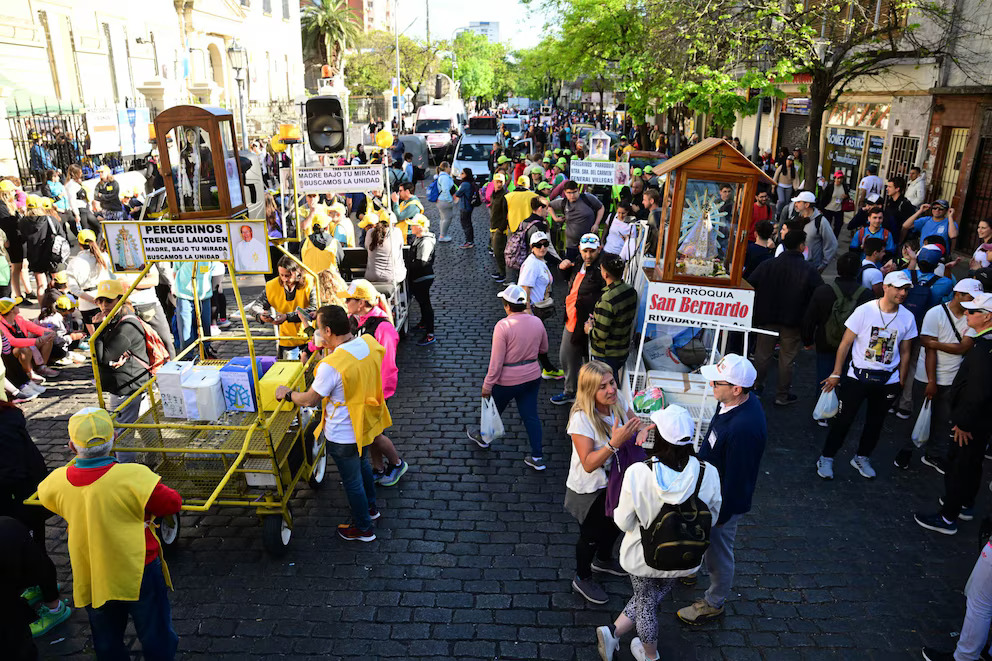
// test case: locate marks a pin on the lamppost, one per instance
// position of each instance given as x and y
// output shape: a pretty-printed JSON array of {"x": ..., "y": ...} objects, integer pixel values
[
  {"x": 238, "y": 57},
  {"x": 763, "y": 63},
  {"x": 454, "y": 59}
]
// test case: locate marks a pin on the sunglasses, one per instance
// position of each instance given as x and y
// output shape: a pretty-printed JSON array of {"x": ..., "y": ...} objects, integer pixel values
[
  {"x": 723, "y": 383},
  {"x": 541, "y": 244},
  {"x": 589, "y": 242},
  {"x": 976, "y": 311}
]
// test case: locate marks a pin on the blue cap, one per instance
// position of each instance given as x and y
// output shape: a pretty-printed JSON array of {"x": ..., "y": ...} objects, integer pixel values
[{"x": 941, "y": 203}]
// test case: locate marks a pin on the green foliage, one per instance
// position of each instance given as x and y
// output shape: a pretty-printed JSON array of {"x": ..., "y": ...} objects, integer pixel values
[
  {"x": 482, "y": 68},
  {"x": 370, "y": 70},
  {"x": 327, "y": 29}
]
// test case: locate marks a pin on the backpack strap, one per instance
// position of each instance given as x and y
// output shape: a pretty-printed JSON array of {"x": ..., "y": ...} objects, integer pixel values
[
  {"x": 699, "y": 481},
  {"x": 953, "y": 327},
  {"x": 861, "y": 238}
]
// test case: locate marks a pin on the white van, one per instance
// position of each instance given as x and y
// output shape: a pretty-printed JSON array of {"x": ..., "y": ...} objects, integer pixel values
[
  {"x": 473, "y": 152},
  {"x": 439, "y": 125}
]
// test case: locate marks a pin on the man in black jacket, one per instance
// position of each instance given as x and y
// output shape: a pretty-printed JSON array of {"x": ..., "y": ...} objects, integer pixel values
[
  {"x": 971, "y": 400},
  {"x": 896, "y": 208},
  {"x": 498, "y": 225},
  {"x": 783, "y": 287}
]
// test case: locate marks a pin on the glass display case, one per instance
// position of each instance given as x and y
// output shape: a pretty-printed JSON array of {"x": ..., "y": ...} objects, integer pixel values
[{"x": 706, "y": 214}]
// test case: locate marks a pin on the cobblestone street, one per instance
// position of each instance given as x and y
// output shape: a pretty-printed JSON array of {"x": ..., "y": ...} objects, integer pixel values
[{"x": 475, "y": 552}]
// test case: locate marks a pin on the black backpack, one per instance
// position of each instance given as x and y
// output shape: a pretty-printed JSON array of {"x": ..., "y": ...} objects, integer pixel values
[
  {"x": 920, "y": 298},
  {"x": 680, "y": 534}
]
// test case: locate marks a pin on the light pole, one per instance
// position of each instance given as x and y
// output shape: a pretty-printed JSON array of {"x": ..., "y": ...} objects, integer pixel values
[
  {"x": 454, "y": 58},
  {"x": 238, "y": 57},
  {"x": 763, "y": 68}
]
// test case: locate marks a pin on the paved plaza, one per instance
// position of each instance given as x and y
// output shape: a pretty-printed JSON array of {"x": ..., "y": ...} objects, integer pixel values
[{"x": 475, "y": 552}]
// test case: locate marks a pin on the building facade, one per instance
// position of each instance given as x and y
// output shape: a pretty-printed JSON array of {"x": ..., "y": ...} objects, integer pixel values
[
  {"x": 372, "y": 14},
  {"x": 488, "y": 29}
]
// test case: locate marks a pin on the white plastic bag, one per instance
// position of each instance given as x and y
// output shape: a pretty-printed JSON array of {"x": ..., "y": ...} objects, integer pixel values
[
  {"x": 921, "y": 430},
  {"x": 826, "y": 406},
  {"x": 492, "y": 425}
]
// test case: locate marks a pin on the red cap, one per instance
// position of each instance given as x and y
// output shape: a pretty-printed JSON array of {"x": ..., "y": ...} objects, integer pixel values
[{"x": 838, "y": 174}]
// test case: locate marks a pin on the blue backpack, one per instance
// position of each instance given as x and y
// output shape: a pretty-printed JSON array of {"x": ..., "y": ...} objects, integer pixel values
[
  {"x": 920, "y": 298},
  {"x": 434, "y": 191}
]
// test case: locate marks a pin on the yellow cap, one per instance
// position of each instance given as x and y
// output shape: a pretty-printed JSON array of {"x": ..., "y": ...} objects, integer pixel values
[
  {"x": 110, "y": 289},
  {"x": 7, "y": 186},
  {"x": 422, "y": 220},
  {"x": 85, "y": 237},
  {"x": 90, "y": 427},
  {"x": 362, "y": 290},
  {"x": 522, "y": 180},
  {"x": 47, "y": 203},
  {"x": 371, "y": 218},
  {"x": 337, "y": 207},
  {"x": 7, "y": 304},
  {"x": 103, "y": 169},
  {"x": 321, "y": 219},
  {"x": 34, "y": 202},
  {"x": 64, "y": 303},
  {"x": 499, "y": 176},
  {"x": 61, "y": 278}
]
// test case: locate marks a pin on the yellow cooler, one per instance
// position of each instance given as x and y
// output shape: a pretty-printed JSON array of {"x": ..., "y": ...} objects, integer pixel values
[{"x": 282, "y": 373}]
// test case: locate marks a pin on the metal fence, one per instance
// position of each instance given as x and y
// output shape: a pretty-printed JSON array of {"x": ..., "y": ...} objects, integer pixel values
[{"x": 57, "y": 136}]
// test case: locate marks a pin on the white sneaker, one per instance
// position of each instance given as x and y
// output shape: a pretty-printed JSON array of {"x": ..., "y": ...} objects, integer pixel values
[
  {"x": 637, "y": 650},
  {"x": 78, "y": 357},
  {"x": 37, "y": 378},
  {"x": 66, "y": 361},
  {"x": 825, "y": 468},
  {"x": 33, "y": 389},
  {"x": 608, "y": 643},
  {"x": 214, "y": 330},
  {"x": 863, "y": 466}
]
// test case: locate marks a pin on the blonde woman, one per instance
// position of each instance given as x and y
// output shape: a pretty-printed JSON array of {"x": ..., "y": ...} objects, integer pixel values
[
  {"x": 85, "y": 270},
  {"x": 108, "y": 193},
  {"x": 600, "y": 422},
  {"x": 15, "y": 244}
]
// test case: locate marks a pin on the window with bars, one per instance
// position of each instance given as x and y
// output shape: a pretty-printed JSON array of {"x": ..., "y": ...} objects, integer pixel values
[
  {"x": 902, "y": 155},
  {"x": 267, "y": 7},
  {"x": 836, "y": 19}
]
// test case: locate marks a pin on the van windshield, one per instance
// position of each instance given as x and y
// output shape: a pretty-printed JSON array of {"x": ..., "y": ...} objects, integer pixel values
[
  {"x": 472, "y": 152},
  {"x": 432, "y": 126}
]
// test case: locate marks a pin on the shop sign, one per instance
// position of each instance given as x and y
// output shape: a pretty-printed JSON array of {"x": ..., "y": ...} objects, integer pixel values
[
  {"x": 342, "y": 179},
  {"x": 600, "y": 173},
  {"x": 679, "y": 304},
  {"x": 796, "y": 105}
]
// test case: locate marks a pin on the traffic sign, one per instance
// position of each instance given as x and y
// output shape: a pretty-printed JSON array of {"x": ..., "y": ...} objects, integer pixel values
[{"x": 408, "y": 107}]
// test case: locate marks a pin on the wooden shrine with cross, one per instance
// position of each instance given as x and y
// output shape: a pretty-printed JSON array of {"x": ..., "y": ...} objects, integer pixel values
[{"x": 706, "y": 214}]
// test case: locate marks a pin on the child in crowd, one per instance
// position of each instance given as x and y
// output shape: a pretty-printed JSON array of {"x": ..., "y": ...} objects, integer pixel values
[{"x": 57, "y": 314}]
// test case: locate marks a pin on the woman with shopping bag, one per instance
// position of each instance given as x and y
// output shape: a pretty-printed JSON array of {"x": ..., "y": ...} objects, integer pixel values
[{"x": 515, "y": 372}]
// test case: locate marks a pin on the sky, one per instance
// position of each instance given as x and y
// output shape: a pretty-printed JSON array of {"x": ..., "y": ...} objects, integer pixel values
[{"x": 515, "y": 26}]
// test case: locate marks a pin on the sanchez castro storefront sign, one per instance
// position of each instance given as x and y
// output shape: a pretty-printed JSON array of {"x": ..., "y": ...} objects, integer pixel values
[{"x": 678, "y": 304}]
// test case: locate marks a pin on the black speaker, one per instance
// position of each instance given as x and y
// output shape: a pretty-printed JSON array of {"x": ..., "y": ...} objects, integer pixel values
[{"x": 325, "y": 124}]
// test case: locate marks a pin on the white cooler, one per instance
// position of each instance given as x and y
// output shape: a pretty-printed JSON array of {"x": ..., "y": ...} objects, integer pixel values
[
  {"x": 203, "y": 394},
  {"x": 170, "y": 387}
]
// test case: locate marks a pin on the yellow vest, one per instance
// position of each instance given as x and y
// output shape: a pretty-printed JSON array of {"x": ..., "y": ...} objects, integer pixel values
[
  {"x": 106, "y": 531},
  {"x": 316, "y": 259},
  {"x": 290, "y": 333},
  {"x": 363, "y": 396},
  {"x": 518, "y": 207}
]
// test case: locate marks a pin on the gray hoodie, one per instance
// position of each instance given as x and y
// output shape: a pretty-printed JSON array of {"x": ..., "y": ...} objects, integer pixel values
[{"x": 821, "y": 243}]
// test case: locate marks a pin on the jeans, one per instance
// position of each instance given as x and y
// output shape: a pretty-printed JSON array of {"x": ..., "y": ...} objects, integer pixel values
[
  {"x": 963, "y": 475},
  {"x": 422, "y": 292},
  {"x": 852, "y": 394},
  {"x": 186, "y": 332},
  {"x": 498, "y": 244},
  {"x": 571, "y": 357},
  {"x": 356, "y": 476},
  {"x": 525, "y": 395},
  {"x": 152, "y": 615},
  {"x": 790, "y": 343},
  {"x": 465, "y": 217},
  {"x": 719, "y": 561},
  {"x": 824, "y": 365},
  {"x": 130, "y": 413},
  {"x": 978, "y": 616},
  {"x": 597, "y": 536},
  {"x": 784, "y": 198},
  {"x": 447, "y": 211},
  {"x": 153, "y": 315}
]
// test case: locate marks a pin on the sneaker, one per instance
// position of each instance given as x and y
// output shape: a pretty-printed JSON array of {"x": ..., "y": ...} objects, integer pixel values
[
  {"x": 467, "y": 244},
  {"x": 789, "y": 399},
  {"x": 84, "y": 346},
  {"x": 32, "y": 595},
  {"x": 445, "y": 239},
  {"x": 350, "y": 533},
  {"x": 939, "y": 464},
  {"x": 47, "y": 371},
  {"x": 21, "y": 396},
  {"x": 699, "y": 612},
  {"x": 966, "y": 513},
  {"x": 611, "y": 567},
  {"x": 553, "y": 375},
  {"x": 37, "y": 378},
  {"x": 223, "y": 324},
  {"x": 65, "y": 362},
  {"x": 374, "y": 512},
  {"x": 477, "y": 437},
  {"x": 608, "y": 643},
  {"x": 689, "y": 580},
  {"x": 591, "y": 590},
  {"x": 497, "y": 277},
  {"x": 825, "y": 468},
  {"x": 214, "y": 330},
  {"x": 30, "y": 296},
  {"x": 822, "y": 423},
  {"x": 637, "y": 651},
  {"x": 863, "y": 465},
  {"x": 936, "y": 523},
  {"x": 47, "y": 620},
  {"x": 902, "y": 459},
  {"x": 33, "y": 388},
  {"x": 427, "y": 339},
  {"x": 930, "y": 654},
  {"x": 562, "y": 398},
  {"x": 537, "y": 463},
  {"x": 903, "y": 414},
  {"x": 377, "y": 475},
  {"x": 391, "y": 478},
  {"x": 78, "y": 358}
]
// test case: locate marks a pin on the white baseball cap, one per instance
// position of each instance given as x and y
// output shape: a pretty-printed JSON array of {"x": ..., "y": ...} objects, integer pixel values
[
  {"x": 805, "y": 196},
  {"x": 675, "y": 425},
  {"x": 969, "y": 286},
  {"x": 538, "y": 237},
  {"x": 513, "y": 294},
  {"x": 733, "y": 368},
  {"x": 589, "y": 240},
  {"x": 897, "y": 279},
  {"x": 981, "y": 301}
]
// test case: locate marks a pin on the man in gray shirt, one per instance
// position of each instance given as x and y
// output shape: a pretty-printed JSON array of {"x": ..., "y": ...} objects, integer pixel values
[{"x": 582, "y": 215}]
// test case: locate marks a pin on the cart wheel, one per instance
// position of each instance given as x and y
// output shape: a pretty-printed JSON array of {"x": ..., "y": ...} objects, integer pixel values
[
  {"x": 168, "y": 529},
  {"x": 319, "y": 466},
  {"x": 276, "y": 534}
]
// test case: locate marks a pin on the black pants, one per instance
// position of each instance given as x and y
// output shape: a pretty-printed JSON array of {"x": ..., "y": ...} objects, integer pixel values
[
  {"x": 218, "y": 302},
  {"x": 963, "y": 475},
  {"x": 836, "y": 220},
  {"x": 422, "y": 292},
  {"x": 466, "y": 220},
  {"x": 852, "y": 394},
  {"x": 89, "y": 221},
  {"x": 597, "y": 535}
]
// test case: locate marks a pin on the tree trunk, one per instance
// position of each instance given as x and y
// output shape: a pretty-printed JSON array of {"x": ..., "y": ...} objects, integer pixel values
[
  {"x": 819, "y": 92},
  {"x": 643, "y": 136}
]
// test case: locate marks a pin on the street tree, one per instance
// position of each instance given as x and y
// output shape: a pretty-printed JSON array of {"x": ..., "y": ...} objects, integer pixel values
[
  {"x": 328, "y": 27},
  {"x": 370, "y": 68}
]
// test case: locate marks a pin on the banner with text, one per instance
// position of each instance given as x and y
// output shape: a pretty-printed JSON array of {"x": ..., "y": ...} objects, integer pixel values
[
  {"x": 675, "y": 304},
  {"x": 602, "y": 173},
  {"x": 342, "y": 179},
  {"x": 185, "y": 242}
]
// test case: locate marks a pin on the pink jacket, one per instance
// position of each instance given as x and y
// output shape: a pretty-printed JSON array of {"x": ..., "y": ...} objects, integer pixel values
[
  {"x": 387, "y": 336},
  {"x": 517, "y": 340},
  {"x": 28, "y": 328}
]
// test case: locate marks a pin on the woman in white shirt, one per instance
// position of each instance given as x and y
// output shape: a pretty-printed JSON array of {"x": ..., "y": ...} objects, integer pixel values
[
  {"x": 618, "y": 238},
  {"x": 599, "y": 424},
  {"x": 535, "y": 277},
  {"x": 671, "y": 475},
  {"x": 385, "y": 247},
  {"x": 980, "y": 259},
  {"x": 85, "y": 271}
]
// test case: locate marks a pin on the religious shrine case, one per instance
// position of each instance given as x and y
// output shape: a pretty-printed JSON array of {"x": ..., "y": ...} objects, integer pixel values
[{"x": 706, "y": 214}]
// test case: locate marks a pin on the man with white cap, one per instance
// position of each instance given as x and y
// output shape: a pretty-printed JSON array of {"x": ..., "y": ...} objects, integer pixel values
[
  {"x": 971, "y": 425},
  {"x": 821, "y": 243},
  {"x": 734, "y": 445},
  {"x": 519, "y": 341},
  {"x": 945, "y": 337},
  {"x": 879, "y": 338}
]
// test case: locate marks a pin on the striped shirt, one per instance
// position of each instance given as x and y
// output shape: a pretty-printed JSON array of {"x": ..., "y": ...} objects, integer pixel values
[{"x": 612, "y": 320}]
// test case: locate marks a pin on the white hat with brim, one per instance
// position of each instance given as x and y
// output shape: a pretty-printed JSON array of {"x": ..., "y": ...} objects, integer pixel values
[
  {"x": 897, "y": 279},
  {"x": 674, "y": 424},
  {"x": 733, "y": 369},
  {"x": 969, "y": 286},
  {"x": 513, "y": 294},
  {"x": 805, "y": 196},
  {"x": 982, "y": 302}
]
